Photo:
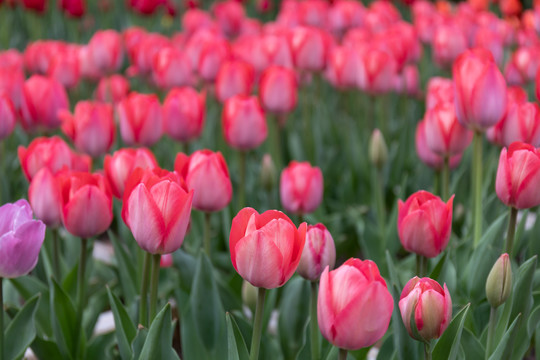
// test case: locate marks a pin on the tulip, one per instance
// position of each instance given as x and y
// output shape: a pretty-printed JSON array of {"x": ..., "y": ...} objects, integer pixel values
[
  {"x": 213, "y": 54},
  {"x": 522, "y": 123},
  {"x": 439, "y": 90},
  {"x": 52, "y": 153},
  {"x": 234, "y": 78},
  {"x": 146, "y": 7},
  {"x": 184, "y": 114},
  {"x": 86, "y": 203},
  {"x": 166, "y": 261},
  {"x": 516, "y": 96},
  {"x": 42, "y": 99},
  {"x": 425, "y": 154},
  {"x": 425, "y": 305},
  {"x": 75, "y": 8},
  {"x": 278, "y": 90},
  {"x": 378, "y": 151},
  {"x": 112, "y": 89},
  {"x": 8, "y": 116},
  {"x": 319, "y": 252},
  {"x": 45, "y": 197},
  {"x": 309, "y": 48},
  {"x": 499, "y": 281},
  {"x": 449, "y": 41},
  {"x": 91, "y": 127},
  {"x": 229, "y": 15},
  {"x": 425, "y": 223},
  {"x": 244, "y": 123},
  {"x": 140, "y": 118},
  {"x": 11, "y": 84},
  {"x": 342, "y": 67},
  {"x": 106, "y": 50},
  {"x": 170, "y": 68},
  {"x": 301, "y": 188},
  {"x": 36, "y": 5},
  {"x": 377, "y": 70},
  {"x": 119, "y": 166},
  {"x": 206, "y": 172},
  {"x": 444, "y": 134},
  {"x": 354, "y": 305}
]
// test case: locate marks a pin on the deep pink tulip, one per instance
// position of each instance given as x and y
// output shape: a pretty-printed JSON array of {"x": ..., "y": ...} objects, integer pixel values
[
  {"x": 490, "y": 40},
  {"x": 140, "y": 117},
  {"x": 234, "y": 78},
  {"x": 112, "y": 89},
  {"x": 146, "y": 7},
  {"x": 265, "y": 248},
  {"x": 425, "y": 223},
  {"x": 518, "y": 176},
  {"x": 122, "y": 163},
  {"x": 342, "y": 67},
  {"x": 439, "y": 90},
  {"x": 195, "y": 19},
  {"x": 106, "y": 50},
  {"x": 301, "y": 187},
  {"x": 309, "y": 47},
  {"x": 354, "y": 305},
  {"x": 537, "y": 85},
  {"x": 184, "y": 114},
  {"x": 426, "y": 304},
  {"x": 143, "y": 49},
  {"x": 278, "y": 90},
  {"x": 65, "y": 67},
  {"x": 344, "y": 15},
  {"x": 515, "y": 97},
  {"x": 244, "y": 122},
  {"x": 21, "y": 238},
  {"x": 157, "y": 208},
  {"x": 166, "y": 261},
  {"x": 229, "y": 15},
  {"x": 449, "y": 41},
  {"x": 86, "y": 203},
  {"x": 45, "y": 197},
  {"x": 8, "y": 116},
  {"x": 36, "y": 5},
  {"x": 75, "y": 8},
  {"x": 377, "y": 70},
  {"x": 319, "y": 252},
  {"x": 521, "y": 123},
  {"x": 12, "y": 83},
  {"x": 480, "y": 90},
  {"x": 207, "y": 173},
  {"x": 91, "y": 127},
  {"x": 444, "y": 134},
  {"x": 427, "y": 155},
  {"x": 170, "y": 68},
  {"x": 526, "y": 60},
  {"x": 213, "y": 54}
]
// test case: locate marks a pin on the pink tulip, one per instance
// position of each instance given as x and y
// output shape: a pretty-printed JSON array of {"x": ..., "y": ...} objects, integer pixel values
[
  {"x": 45, "y": 197},
  {"x": 157, "y": 209},
  {"x": 427, "y": 155},
  {"x": 480, "y": 90},
  {"x": 449, "y": 41},
  {"x": 213, "y": 54},
  {"x": 309, "y": 47},
  {"x": 8, "y": 116},
  {"x": 75, "y": 8},
  {"x": 207, "y": 173},
  {"x": 344, "y": 15},
  {"x": 234, "y": 78},
  {"x": 265, "y": 248},
  {"x": 11, "y": 84},
  {"x": 424, "y": 303},
  {"x": 301, "y": 187},
  {"x": 515, "y": 97},
  {"x": 439, "y": 90},
  {"x": 278, "y": 90},
  {"x": 112, "y": 89},
  {"x": 184, "y": 114},
  {"x": 229, "y": 15},
  {"x": 106, "y": 50},
  {"x": 170, "y": 68},
  {"x": 319, "y": 252},
  {"x": 425, "y": 223},
  {"x": 64, "y": 67},
  {"x": 518, "y": 176},
  {"x": 342, "y": 68},
  {"x": 140, "y": 118},
  {"x": 377, "y": 70},
  {"x": 444, "y": 134},
  {"x": 244, "y": 123},
  {"x": 354, "y": 305},
  {"x": 166, "y": 261}
]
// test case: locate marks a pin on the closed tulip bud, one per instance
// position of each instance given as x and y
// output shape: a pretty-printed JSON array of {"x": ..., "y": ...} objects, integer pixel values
[
  {"x": 86, "y": 203},
  {"x": 45, "y": 197},
  {"x": 106, "y": 50},
  {"x": 378, "y": 151},
  {"x": 36, "y": 5},
  {"x": 265, "y": 248},
  {"x": 244, "y": 123},
  {"x": 112, "y": 89},
  {"x": 249, "y": 295},
  {"x": 516, "y": 96},
  {"x": 444, "y": 134},
  {"x": 8, "y": 117},
  {"x": 21, "y": 238},
  {"x": 278, "y": 90},
  {"x": 480, "y": 90},
  {"x": 170, "y": 68},
  {"x": 424, "y": 223},
  {"x": 140, "y": 118},
  {"x": 309, "y": 47},
  {"x": 499, "y": 282},
  {"x": 12, "y": 83},
  {"x": 427, "y": 155},
  {"x": 439, "y": 90},
  {"x": 213, "y": 54},
  {"x": 234, "y": 78},
  {"x": 319, "y": 252},
  {"x": 184, "y": 114},
  {"x": 52, "y": 153},
  {"x": 427, "y": 306},
  {"x": 75, "y": 8},
  {"x": 449, "y": 41},
  {"x": 268, "y": 172},
  {"x": 157, "y": 208},
  {"x": 229, "y": 15},
  {"x": 521, "y": 123},
  {"x": 91, "y": 127},
  {"x": 65, "y": 67},
  {"x": 301, "y": 187},
  {"x": 207, "y": 173},
  {"x": 377, "y": 70},
  {"x": 342, "y": 67},
  {"x": 354, "y": 306},
  {"x": 518, "y": 176}
]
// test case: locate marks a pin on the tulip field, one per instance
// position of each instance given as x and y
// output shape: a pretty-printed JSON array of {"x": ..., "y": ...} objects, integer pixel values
[{"x": 277, "y": 180}]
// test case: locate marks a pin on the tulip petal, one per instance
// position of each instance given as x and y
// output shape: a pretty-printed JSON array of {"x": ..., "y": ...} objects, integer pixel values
[{"x": 145, "y": 220}]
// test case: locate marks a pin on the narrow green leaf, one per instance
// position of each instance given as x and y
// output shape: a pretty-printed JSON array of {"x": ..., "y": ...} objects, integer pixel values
[
  {"x": 46, "y": 349},
  {"x": 21, "y": 331},
  {"x": 126, "y": 269},
  {"x": 139, "y": 341},
  {"x": 28, "y": 286},
  {"x": 437, "y": 270},
  {"x": 63, "y": 318},
  {"x": 158, "y": 342},
  {"x": 448, "y": 345},
  {"x": 237, "y": 346},
  {"x": 293, "y": 316},
  {"x": 504, "y": 346},
  {"x": 533, "y": 321},
  {"x": 125, "y": 330},
  {"x": 474, "y": 348}
]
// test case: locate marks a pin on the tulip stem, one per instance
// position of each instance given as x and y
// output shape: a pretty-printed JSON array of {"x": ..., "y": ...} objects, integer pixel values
[
  {"x": 491, "y": 331},
  {"x": 421, "y": 265},
  {"x": 477, "y": 181},
  {"x": 314, "y": 323},
  {"x": 379, "y": 201},
  {"x": 342, "y": 354},
  {"x": 511, "y": 230},
  {"x": 156, "y": 258},
  {"x": 242, "y": 189},
  {"x": 143, "y": 313},
  {"x": 1, "y": 321},
  {"x": 276, "y": 142},
  {"x": 56, "y": 255},
  {"x": 427, "y": 351},
  {"x": 81, "y": 296},
  {"x": 446, "y": 179},
  {"x": 207, "y": 229},
  {"x": 257, "y": 325}
]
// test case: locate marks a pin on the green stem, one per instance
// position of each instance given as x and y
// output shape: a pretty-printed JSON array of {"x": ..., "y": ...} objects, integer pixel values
[
  {"x": 511, "y": 231},
  {"x": 207, "y": 229},
  {"x": 477, "y": 181},
  {"x": 81, "y": 294},
  {"x": 314, "y": 323},
  {"x": 427, "y": 351},
  {"x": 257, "y": 326},
  {"x": 491, "y": 331},
  {"x": 56, "y": 255},
  {"x": 436, "y": 182},
  {"x": 421, "y": 265},
  {"x": 446, "y": 179},
  {"x": 143, "y": 313},
  {"x": 379, "y": 201},
  {"x": 242, "y": 188},
  {"x": 156, "y": 258},
  {"x": 275, "y": 129},
  {"x": 342, "y": 354},
  {"x": 1, "y": 321}
]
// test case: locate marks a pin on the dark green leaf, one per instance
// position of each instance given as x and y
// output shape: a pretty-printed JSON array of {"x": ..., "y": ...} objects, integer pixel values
[
  {"x": 158, "y": 343},
  {"x": 237, "y": 345},
  {"x": 125, "y": 330},
  {"x": 448, "y": 345},
  {"x": 21, "y": 330},
  {"x": 293, "y": 316},
  {"x": 63, "y": 318},
  {"x": 504, "y": 347},
  {"x": 126, "y": 269}
]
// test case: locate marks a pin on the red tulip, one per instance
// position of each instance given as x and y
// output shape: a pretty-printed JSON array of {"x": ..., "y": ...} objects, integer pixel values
[
  {"x": 146, "y": 7},
  {"x": 309, "y": 48},
  {"x": 122, "y": 163},
  {"x": 157, "y": 209},
  {"x": 354, "y": 306},
  {"x": 112, "y": 89},
  {"x": 425, "y": 223},
  {"x": 106, "y": 50},
  {"x": 301, "y": 187},
  {"x": 45, "y": 197},
  {"x": 8, "y": 116},
  {"x": 140, "y": 118},
  {"x": 518, "y": 176},
  {"x": 265, "y": 248},
  {"x": 37, "y": 5},
  {"x": 444, "y": 134},
  {"x": 52, "y": 153},
  {"x": 170, "y": 68},
  {"x": 234, "y": 78},
  {"x": 206, "y": 172},
  {"x": 424, "y": 303},
  {"x": 244, "y": 123},
  {"x": 184, "y": 114},
  {"x": 480, "y": 90},
  {"x": 86, "y": 203},
  {"x": 319, "y": 252},
  {"x": 75, "y": 8},
  {"x": 278, "y": 90}
]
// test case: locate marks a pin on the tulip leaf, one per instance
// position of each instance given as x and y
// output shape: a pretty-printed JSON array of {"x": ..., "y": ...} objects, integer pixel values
[
  {"x": 46, "y": 349},
  {"x": 448, "y": 345},
  {"x": 21, "y": 330},
  {"x": 139, "y": 341},
  {"x": 505, "y": 345},
  {"x": 28, "y": 286},
  {"x": 474, "y": 348},
  {"x": 294, "y": 316},
  {"x": 100, "y": 347},
  {"x": 533, "y": 321},
  {"x": 125, "y": 330},
  {"x": 158, "y": 343},
  {"x": 63, "y": 318},
  {"x": 437, "y": 270},
  {"x": 237, "y": 345},
  {"x": 125, "y": 268}
]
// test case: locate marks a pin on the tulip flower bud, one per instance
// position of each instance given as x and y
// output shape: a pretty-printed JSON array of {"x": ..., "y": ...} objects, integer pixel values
[
  {"x": 319, "y": 252},
  {"x": 499, "y": 281},
  {"x": 268, "y": 172},
  {"x": 378, "y": 151},
  {"x": 249, "y": 295},
  {"x": 301, "y": 187}
]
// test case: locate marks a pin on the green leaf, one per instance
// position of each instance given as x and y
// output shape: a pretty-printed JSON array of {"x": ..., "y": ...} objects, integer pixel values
[
  {"x": 125, "y": 330},
  {"x": 505, "y": 345},
  {"x": 474, "y": 348},
  {"x": 437, "y": 270},
  {"x": 448, "y": 345},
  {"x": 28, "y": 286},
  {"x": 158, "y": 343},
  {"x": 63, "y": 317},
  {"x": 533, "y": 321},
  {"x": 139, "y": 341},
  {"x": 293, "y": 316},
  {"x": 126, "y": 269},
  {"x": 236, "y": 344},
  {"x": 46, "y": 349},
  {"x": 21, "y": 330}
]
